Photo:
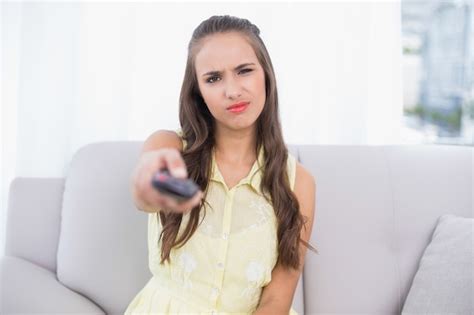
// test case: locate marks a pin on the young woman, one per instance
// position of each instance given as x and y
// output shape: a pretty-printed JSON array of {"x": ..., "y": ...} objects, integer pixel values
[{"x": 238, "y": 246}]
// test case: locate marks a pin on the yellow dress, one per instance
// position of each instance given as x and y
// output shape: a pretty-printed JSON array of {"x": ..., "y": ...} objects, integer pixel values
[{"x": 224, "y": 266}]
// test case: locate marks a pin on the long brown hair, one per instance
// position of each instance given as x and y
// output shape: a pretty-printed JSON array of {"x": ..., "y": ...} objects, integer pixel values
[{"x": 198, "y": 126}]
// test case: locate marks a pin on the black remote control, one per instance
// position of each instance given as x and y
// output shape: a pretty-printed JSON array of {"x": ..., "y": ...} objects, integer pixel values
[{"x": 177, "y": 188}]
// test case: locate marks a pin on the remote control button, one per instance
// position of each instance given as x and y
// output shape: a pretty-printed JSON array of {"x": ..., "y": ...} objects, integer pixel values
[{"x": 161, "y": 177}]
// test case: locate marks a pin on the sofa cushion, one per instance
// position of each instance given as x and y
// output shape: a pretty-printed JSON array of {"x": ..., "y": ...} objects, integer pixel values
[
  {"x": 29, "y": 289},
  {"x": 444, "y": 280},
  {"x": 102, "y": 250},
  {"x": 34, "y": 235}
]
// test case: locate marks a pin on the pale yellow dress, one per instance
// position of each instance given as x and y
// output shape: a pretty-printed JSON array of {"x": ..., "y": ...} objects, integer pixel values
[{"x": 227, "y": 261}]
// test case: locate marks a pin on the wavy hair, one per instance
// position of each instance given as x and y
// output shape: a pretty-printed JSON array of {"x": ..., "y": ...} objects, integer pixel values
[{"x": 198, "y": 126}]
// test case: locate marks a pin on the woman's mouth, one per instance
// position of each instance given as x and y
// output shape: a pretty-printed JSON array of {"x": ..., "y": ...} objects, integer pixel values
[{"x": 239, "y": 108}]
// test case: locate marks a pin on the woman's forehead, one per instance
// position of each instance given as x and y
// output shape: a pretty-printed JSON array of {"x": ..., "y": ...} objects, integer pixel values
[{"x": 223, "y": 52}]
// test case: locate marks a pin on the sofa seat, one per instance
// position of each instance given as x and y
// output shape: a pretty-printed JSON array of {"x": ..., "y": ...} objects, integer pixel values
[{"x": 29, "y": 288}]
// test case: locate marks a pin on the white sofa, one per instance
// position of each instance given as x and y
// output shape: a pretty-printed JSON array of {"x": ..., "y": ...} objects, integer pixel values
[{"x": 78, "y": 245}]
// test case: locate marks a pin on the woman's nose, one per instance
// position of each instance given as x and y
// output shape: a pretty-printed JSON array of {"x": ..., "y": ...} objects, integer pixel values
[{"x": 232, "y": 89}]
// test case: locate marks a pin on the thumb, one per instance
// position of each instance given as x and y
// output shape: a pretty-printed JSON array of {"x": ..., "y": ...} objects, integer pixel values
[{"x": 176, "y": 164}]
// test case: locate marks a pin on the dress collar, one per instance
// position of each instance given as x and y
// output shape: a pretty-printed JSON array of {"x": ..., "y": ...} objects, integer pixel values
[{"x": 253, "y": 178}]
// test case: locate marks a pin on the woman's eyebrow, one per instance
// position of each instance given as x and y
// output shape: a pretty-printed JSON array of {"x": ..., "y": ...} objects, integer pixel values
[{"x": 236, "y": 68}]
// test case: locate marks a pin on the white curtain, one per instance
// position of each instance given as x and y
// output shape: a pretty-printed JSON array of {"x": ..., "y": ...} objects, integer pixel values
[{"x": 76, "y": 73}]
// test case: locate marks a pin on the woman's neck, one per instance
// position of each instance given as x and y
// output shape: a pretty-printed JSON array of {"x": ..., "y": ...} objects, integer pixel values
[{"x": 236, "y": 147}]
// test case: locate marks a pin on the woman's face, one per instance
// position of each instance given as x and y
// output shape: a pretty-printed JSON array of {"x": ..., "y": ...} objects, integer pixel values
[{"x": 228, "y": 84}]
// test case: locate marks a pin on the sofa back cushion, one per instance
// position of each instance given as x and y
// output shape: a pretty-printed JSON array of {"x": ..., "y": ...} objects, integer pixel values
[
  {"x": 102, "y": 251},
  {"x": 376, "y": 209}
]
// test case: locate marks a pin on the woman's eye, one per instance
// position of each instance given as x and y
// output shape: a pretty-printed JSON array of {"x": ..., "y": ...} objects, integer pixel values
[
  {"x": 211, "y": 78},
  {"x": 215, "y": 77},
  {"x": 246, "y": 70}
]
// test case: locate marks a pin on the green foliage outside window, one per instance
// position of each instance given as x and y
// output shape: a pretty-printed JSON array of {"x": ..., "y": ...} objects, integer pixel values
[{"x": 453, "y": 119}]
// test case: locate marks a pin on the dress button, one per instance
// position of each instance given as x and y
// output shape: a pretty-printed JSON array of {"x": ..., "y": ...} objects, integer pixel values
[
  {"x": 224, "y": 236},
  {"x": 220, "y": 265}
]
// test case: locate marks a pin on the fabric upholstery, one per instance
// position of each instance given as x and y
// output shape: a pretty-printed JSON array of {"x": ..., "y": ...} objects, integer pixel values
[
  {"x": 30, "y": 289},
  {"x": 444, "y": 279},
  {"x": 376, "y": 209}
]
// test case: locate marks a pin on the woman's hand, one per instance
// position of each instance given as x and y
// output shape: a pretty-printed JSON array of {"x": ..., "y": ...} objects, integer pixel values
[{"x": 146, "y": 197}]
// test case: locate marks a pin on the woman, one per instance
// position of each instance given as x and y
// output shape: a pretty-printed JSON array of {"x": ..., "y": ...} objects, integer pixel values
[{"x": 238, "y": 246}]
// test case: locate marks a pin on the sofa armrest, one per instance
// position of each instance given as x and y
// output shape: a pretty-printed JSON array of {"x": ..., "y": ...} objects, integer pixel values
[
  {"x": 33, "y": 220},
  {"x": 30, "y": 289}
]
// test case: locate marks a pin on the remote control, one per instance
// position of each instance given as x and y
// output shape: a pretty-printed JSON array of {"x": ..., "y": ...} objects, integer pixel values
[{"x": 177, "y": 188}]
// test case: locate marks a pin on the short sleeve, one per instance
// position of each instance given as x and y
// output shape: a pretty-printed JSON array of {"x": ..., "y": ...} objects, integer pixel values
[
  {"x": 291, "y": 167},
  {"x": 180, "y": 134}
]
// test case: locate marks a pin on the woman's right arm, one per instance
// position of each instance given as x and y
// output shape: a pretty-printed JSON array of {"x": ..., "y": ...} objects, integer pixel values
[{"x": 161, "y": 149}]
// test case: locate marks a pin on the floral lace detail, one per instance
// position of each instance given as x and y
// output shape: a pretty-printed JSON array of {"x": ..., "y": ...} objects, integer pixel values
[
  {"x": 262, "y": 210},
  {"x": 207, "y": 228},
  {"x": 255, "y": 272},
  {"x": 188, "y": 263},
  {"x": 261, "y": 206}
]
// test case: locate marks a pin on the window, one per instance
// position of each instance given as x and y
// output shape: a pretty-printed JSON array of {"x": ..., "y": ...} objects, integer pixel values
[{"x": 438, "y": 71}]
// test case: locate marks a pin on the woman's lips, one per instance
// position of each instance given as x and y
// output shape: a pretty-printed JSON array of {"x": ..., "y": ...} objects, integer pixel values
[{"x": 239, "y": 109}]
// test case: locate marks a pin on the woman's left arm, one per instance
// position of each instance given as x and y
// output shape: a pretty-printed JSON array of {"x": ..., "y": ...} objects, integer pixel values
[{"x": 277, "y": 296}]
